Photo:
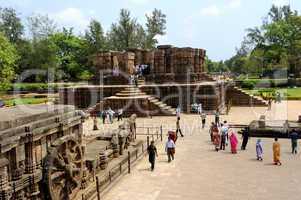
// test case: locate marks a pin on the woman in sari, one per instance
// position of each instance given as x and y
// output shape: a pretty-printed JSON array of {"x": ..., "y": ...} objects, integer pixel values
[
  {"x": 233, "y": 142},
  {"x": 259, "y": 150},
  {"x": 276, "y": 152},
  {"x": 216, "y": 137}
]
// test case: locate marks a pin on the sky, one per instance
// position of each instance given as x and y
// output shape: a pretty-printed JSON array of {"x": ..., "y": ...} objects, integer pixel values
[{"x": 215, "y": 25}]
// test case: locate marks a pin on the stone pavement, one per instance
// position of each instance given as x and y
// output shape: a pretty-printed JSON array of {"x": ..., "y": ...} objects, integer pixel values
[{"x": 199, "y": 172}]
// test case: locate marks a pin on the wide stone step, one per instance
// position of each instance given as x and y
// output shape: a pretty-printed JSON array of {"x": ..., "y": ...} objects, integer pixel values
[
  {"x": 245, "y": 97},
  {"x": 130, "y": 95},
  {"x": 172, "y": 110},
  {"x": 152, "y": 98},
  {"x": 131, "y": 90},
  {"x": 159, "y": 103}
]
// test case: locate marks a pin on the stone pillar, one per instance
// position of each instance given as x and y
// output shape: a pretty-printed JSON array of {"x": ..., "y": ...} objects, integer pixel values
[
  {"x": 30, "y": 165},
  {"x": 261, "y": 121},
  {"x": 5, "y": 189},
  {"x": 81, "y": 129},
  {"x": 121, "y": 141},
  {"x": 17, "y": 171},
  {"x": 114, "y": 144}
]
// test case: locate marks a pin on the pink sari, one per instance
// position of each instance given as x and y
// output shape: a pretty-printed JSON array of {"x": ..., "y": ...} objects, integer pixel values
[{"x": 233, "y": 142}]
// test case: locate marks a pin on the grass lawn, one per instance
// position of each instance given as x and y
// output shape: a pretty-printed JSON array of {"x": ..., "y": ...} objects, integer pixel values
[
  {"x": 24, "y": 101},
  {"x": 291, "y": 92},
  {"x": 288, "y": 93}
]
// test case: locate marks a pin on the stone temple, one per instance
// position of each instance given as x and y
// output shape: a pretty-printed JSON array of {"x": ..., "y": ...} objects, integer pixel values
[
  {"x": 44, "y": 153},
  {"x": 174, "y": 77}
]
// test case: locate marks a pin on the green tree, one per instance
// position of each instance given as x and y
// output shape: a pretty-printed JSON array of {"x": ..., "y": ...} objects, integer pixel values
[
  {"x": 70, "y": 53},
  {"x": 10, "y": 24},
  {"x": 95, "y": 38},
  {"x": 212, "y": 66},
  {"x": 41, "y": 26},
  {"x": 122, "y": 34},
  {"x": 140, "y": 37},
  {"x": 40, "y": 54},
  {"x": 127, "y": 33},
  {"x": 156, "y": 25},
  {"x": 8, "y": 59},
  {"x": 275, "y": 45}
]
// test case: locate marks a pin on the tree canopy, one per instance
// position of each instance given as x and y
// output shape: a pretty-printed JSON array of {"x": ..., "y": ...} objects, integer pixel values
[
  {"x": 10, "y": 24},
  {"x": 8, "y": 60},
  {"x": 274, "y": 46},
  {"x": 128, "y": 33},
  {"x": 39, "y": 44}
]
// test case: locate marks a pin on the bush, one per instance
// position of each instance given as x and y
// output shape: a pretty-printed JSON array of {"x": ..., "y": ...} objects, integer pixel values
[
  {"x": 33, "y": 87},
  {"x": 249, "y": 84},
  {"x": 267, "y": 93}
]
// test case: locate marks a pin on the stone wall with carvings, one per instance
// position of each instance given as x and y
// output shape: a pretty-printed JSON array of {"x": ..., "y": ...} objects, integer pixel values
[{"x": 167, "y": 64}]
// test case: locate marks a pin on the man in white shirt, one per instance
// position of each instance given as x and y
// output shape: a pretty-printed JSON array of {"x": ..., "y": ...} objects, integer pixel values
[
  {"x": 224, "y": 135},
  {"x": 111, "y": 115},
  {"x": 200, "y": 109},
  {"x": 170, "y": 149},
  {"x": 178, "y": 111}
]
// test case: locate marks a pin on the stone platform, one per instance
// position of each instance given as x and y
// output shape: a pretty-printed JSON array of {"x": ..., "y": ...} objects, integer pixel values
[
  {"x": 171, "y": 94},
  {"x": 133, "y": 101},
  {"x": 199, "y": 172}
]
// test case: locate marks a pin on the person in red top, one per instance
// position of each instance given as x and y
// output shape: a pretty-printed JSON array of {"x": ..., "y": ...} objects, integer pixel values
[
  {"x": 216, "y": 137},
  {"x": 173, "y": 136}
]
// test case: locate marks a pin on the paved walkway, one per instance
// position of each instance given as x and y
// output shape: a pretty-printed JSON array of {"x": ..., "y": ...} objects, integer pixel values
[{"x": 199, "y": 172}]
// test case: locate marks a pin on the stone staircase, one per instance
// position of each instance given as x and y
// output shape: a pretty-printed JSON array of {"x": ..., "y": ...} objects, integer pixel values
[
  {"x": 129, "y": 98},
  {"x": 141, "y": 81},
  {"x": 241, "y": 98},
  {"x": 130, "y": 92},
  {"x": 163, "y": 106}
]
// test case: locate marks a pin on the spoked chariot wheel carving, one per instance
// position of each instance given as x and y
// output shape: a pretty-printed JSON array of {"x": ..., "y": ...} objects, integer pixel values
[{"x": 64, "y": 168}]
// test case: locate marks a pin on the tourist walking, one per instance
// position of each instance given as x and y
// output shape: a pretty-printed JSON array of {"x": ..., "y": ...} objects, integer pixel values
[
  {"x": 294, "y": 139},
  {"x": 226, "y": 127},
  {"x": 119, "y": 114},
  {"x": 278, "y": 97},
  {"x": 216, "y": 137},
  {"x": 270, "y": 104},
  {"x": 224, "y": 133},
  {"x": 259, "y": 150},
  {"x": 170, "y": 149},
  {"x": 200, "y": 109},
  {"x": 211, "y": 131},
  {"x": 203, "y": 117},
  {"x": 178, "y": 111},
  {"x": 103, "y": 116},
  {"x": 95, "y": 123},
  {"x": 152, "y": 154},
  {"x": 172, "y": 135},
  {"x": 136, "y": 80},
  {"x": 245, "y": 139},
  {"x": 131, "y": 79},
  {"x": 216, "y": 117},
  {"x": 179, "y": 128},
  {"x": 111, "y": 115},
  {"x": 233, "y": 142},
  {"x": 276, "y": 152}
]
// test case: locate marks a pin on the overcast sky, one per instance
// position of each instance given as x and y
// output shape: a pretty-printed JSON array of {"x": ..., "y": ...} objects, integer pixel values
[{"x": 215, "y": 25}]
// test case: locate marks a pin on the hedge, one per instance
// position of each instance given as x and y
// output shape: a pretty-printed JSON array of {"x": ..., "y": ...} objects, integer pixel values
[{"x": 34, "y": 87}]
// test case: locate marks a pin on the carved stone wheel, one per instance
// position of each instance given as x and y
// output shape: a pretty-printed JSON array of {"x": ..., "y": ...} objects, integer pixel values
[{"x": 64, "y": 168}]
